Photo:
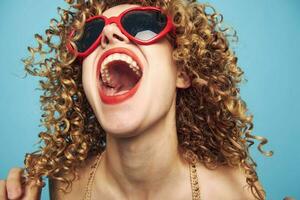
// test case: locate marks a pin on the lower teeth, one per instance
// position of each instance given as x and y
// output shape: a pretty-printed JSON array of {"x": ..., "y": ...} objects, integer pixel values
[
  {"x": 112, "y": 92},
  {"x": 122, "y": 92}
]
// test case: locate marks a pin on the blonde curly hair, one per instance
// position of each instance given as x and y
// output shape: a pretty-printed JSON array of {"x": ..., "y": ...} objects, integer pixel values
[{"x": 211, "y": 117}]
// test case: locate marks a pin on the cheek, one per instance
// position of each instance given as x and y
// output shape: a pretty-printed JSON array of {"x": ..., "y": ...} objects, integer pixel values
[
  {"x": 89, "y": 81},
  {"x": 89, "y": 69},
  {"x": 162, "y": 67},
  {"x": 162, "y": 76}
]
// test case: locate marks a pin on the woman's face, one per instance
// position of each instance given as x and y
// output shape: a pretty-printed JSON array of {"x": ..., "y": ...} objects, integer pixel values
[{"x": 157, "y": 89}]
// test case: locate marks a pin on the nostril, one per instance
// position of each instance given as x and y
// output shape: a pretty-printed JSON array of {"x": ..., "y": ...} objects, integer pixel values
[
  {"x": 118, "y": 37},
  {"x": 106, "y": 40}
]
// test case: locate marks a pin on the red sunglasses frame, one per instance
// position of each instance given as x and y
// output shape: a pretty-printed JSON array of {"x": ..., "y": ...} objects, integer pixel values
[{"x": 117, "y": 20}]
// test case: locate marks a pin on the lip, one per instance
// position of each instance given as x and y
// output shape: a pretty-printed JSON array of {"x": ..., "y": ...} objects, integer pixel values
[{"x": 118, "y": 98}]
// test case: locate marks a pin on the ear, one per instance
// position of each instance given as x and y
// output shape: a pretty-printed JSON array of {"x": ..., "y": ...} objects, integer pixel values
[{"x": 182, "y": 79}]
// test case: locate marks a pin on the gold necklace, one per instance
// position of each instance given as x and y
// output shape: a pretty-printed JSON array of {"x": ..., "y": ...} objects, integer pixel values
[
  {"x": 194, "y": 182},
  {"x": 193, "y": 179}
]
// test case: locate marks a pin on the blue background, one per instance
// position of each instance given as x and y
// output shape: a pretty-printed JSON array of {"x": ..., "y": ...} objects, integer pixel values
[{"x": 268, "y": 52}]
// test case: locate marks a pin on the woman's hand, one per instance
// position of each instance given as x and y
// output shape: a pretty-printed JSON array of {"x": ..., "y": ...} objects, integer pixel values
[{"x": 13, "y": 189}]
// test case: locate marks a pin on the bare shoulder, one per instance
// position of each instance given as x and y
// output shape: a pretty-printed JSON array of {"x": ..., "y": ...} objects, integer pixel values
[
  {"x": 224, "y": 183},
  {"x": 78, "y": 185}
]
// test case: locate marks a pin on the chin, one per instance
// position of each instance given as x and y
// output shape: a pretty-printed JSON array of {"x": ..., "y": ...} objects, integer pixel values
[
  {"x": 122, "y": 133},
  {"x": 121, "y": 128}
]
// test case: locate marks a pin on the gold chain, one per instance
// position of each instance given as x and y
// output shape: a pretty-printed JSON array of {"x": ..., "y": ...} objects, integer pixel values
[
  {"x": 88, "y": 188},
  {"x": 194, "y": 182},
  {"x": 193, "y": 179}
]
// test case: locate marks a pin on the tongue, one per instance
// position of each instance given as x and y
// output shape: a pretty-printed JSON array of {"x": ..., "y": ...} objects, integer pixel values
[{"x": 122, "y": 77}]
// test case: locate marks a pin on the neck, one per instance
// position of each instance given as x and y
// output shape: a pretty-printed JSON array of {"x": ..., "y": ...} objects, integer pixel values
[{"x": 145, "y": 163}]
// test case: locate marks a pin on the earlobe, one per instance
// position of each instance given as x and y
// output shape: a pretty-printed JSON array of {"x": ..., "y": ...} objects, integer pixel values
[{"x": 182, "y": 79}]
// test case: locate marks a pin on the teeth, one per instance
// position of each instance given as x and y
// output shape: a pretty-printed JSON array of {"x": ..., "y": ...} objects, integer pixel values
[
  {"x": 122, "y": 92},
  {"x": 129, "y": 60},
  {"x": 133, "y": 63},
  {"x": 117, "y": 56},
  {"x": 105, "y": 62},
  {"x": 109, "y": 59}
]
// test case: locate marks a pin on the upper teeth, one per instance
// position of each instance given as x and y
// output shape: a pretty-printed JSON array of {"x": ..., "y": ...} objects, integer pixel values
[{"x": 117, "y": 56}]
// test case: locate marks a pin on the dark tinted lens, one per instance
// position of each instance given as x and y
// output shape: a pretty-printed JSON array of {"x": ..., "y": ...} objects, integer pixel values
[
  {"x": 144, "y": 24},
  {"x": 92, "y": 30}
]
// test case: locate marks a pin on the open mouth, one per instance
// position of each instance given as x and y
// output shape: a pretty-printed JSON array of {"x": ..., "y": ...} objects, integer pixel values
[{"x": 119, "y": 76}]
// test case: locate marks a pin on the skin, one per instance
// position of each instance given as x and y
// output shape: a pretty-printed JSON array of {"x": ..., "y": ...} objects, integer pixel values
[
  {"x": 141, "y": 160},
  {"x": 12, "y": 188}
]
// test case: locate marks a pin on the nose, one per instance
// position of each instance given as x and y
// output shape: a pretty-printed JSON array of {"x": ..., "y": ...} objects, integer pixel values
[{"x": 111, "y": 35}]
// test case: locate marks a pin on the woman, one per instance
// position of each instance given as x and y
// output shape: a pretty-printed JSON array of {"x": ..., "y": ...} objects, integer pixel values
[{"x": 141, "y": 102}]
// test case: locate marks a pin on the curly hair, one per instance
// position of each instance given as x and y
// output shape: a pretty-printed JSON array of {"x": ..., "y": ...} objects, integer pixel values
[{"x": 212, "y": 124}]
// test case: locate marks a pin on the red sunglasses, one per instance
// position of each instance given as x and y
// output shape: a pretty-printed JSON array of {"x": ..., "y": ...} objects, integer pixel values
[{"x": 142, "y": 25}]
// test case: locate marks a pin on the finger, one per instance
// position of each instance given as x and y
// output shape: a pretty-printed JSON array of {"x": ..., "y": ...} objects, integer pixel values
[
  {"x": 13, "y": 183},
  {"x": 3, "y": 190},
  {"x": 32, "y": 192}
]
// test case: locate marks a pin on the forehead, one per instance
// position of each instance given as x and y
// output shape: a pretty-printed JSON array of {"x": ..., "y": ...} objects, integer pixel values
[{"x": 117, "y": 10}]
